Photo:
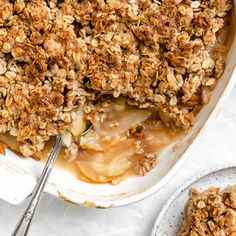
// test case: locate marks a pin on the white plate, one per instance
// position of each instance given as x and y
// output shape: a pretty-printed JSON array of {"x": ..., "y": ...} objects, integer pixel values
[{"x": 171, "y": 216}]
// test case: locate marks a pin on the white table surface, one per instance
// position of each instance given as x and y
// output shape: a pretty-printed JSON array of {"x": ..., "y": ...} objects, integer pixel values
[{"x": 57, "y": 218}]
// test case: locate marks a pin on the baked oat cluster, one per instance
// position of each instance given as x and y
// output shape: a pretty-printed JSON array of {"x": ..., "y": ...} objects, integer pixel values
[
  {"x": 58, "y": 55},
  {"x": 210, "y": 213}
]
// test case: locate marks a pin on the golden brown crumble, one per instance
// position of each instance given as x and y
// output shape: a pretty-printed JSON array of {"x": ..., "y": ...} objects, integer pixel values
[
  {"x": 147, "y": 163},
  {"x": 210, "y": 213},
  {"x": 59, "y": 55},
  {"x": 137, "y": 131}
]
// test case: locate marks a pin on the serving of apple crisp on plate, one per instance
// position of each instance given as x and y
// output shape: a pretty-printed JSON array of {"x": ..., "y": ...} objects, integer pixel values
[
  {"x": 212, "y": 212},
  {"x": 204, "y": 206},
  {"x": 138, "y": 70}
]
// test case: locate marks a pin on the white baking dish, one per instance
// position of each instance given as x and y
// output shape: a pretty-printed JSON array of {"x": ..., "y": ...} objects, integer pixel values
[{"x": 18, "y": 175}]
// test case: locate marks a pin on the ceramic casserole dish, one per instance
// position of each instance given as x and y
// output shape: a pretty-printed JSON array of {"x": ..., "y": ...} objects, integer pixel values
[{"x": 18, "y": 175}]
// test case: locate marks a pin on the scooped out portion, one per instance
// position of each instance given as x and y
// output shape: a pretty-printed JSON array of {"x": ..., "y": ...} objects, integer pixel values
[{"x": 124, "y": 141}]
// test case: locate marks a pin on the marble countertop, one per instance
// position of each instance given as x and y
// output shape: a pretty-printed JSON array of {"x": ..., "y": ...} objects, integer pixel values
[{"x": 58, "y": 218}]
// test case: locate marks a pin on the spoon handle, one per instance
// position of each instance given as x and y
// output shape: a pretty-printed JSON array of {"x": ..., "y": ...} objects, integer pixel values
[{"x": 24, "y": 223}]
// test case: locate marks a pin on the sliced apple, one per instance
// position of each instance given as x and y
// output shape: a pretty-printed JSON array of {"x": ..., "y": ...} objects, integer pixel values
[
  {"x": 91, "y": 141},
  {"x": 107, "y": 166},
  {"x": 118, "y": 166},
  {"x": 119, "y": 122},
  {"x": 67, "y": 138},
  {"x": 120, "y": 104},
  {"x": 78, "y": 124},
  {"x": 157, "y": 136}
]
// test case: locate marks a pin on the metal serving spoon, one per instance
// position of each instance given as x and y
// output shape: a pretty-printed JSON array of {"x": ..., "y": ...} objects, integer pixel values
[{"x": 23, "y": 225}]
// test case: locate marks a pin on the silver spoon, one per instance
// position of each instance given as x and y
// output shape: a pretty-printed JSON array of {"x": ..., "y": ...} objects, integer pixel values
[{"x": 23, "y": 225}]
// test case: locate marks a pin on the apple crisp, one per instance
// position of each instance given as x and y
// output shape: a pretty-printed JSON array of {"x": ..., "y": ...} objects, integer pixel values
[
  {"x": 212, "y": 212},
  {"x": 63, "y": 62}
]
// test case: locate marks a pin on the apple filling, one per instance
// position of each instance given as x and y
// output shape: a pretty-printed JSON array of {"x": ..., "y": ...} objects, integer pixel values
[{"x": 123, "y": 141}]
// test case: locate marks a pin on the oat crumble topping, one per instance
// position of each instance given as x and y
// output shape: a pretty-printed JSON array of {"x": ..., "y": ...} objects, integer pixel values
[
  {"x": 56, "y": 56},
  {"x": 212, "y": 212}
]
